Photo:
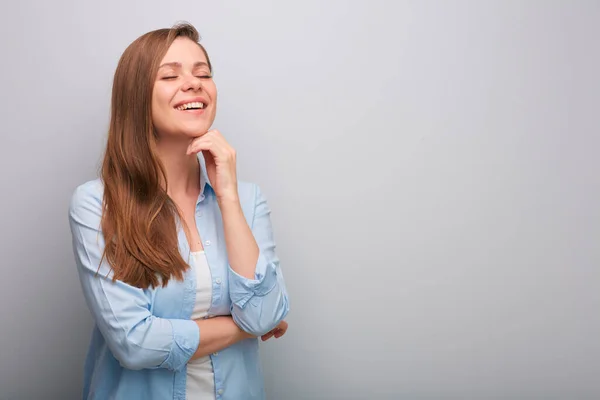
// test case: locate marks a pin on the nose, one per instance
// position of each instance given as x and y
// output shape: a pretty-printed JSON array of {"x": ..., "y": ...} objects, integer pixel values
[{"x": 192, "y": 83}]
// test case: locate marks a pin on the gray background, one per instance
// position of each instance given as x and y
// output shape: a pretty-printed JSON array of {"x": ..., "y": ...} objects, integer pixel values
[{"x": 431, "y": 165}]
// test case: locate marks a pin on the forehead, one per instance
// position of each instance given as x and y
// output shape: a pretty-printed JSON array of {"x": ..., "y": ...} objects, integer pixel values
[{"x": 184, "y": 51}]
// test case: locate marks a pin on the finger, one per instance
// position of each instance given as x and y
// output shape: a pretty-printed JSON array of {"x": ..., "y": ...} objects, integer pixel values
[
  {"x": 209, "y": 143},
  {"x": 268, "y": 334},
  {"x": 199, "y": 144},
  {"x": 219, "y": 140},
  {"x": 213, "y": 136},
  {"x": 216, "y": 134}
]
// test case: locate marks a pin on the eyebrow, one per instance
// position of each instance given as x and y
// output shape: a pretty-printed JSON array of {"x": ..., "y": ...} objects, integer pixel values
[{"x": 176, "y": 64}]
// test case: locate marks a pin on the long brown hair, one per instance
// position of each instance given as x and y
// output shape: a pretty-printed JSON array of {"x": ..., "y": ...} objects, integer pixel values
[{"x": 139, "y": 219}]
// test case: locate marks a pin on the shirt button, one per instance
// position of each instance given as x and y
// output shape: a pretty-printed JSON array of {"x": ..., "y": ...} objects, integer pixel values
[
  {"x": 207, "y": 243},
  {"x": 199, "y": 213},
  {"x": 218, "y": 280},
  {"x": 220, "y": 391},
  {"x": 216, "y": 353}
]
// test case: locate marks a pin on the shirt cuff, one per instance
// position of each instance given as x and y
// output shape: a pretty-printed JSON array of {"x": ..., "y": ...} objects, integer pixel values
[
  {"x": 186, "y": 338},
  {"x": 242, "y": 289}
]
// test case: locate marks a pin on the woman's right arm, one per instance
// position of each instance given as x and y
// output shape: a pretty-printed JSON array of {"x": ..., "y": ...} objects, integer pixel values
[
  {"x": 218, "y": 333},
  {"x": 136, "y": 338}
]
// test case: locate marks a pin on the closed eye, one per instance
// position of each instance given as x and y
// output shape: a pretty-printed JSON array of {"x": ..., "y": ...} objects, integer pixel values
[
  {"x": 205, "y": 76},
  {"x": 169, "y": 77}
]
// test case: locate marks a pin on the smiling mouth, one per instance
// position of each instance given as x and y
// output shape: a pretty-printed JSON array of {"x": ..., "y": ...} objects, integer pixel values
[{"x": 191, "y": 106}]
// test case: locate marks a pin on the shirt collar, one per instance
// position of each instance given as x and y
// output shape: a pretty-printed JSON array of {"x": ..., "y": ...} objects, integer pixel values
[{"x": 203, "y": 174}]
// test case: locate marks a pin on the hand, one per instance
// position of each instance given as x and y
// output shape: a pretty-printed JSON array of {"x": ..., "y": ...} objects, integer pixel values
[
  {"x": 220, "y": 160},
  {"x": 278, "y": 331}
]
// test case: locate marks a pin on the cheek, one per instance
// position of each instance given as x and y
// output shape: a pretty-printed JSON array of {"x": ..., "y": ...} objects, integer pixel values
[
  {"x": 212, "y": 91},
  {"x": 161, "y": 108},
  {"x": 160, "y": 98}
]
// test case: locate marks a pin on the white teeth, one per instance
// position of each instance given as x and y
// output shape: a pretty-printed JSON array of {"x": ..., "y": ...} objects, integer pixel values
[{"x": 191, "y": 105}]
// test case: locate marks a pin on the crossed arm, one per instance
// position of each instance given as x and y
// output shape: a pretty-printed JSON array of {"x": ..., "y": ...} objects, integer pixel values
[{"x": 139, "y": 339}]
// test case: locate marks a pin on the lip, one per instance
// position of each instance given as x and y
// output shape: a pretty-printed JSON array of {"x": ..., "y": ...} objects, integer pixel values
[
  {"x": 192, "y": 100},
  {"x": 199, "y": 111}
]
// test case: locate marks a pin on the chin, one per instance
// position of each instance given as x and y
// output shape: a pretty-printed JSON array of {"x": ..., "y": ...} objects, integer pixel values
[{"x": 193, "y": 132}]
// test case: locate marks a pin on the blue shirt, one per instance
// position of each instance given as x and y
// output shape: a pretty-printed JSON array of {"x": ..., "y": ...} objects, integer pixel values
[{"x": 143, "y": 338}]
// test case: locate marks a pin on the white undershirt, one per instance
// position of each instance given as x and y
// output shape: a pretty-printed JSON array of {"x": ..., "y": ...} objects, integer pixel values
[{"x": 200, "y": 376}]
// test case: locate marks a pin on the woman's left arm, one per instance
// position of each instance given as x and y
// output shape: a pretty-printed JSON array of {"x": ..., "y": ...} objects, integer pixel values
[{"x": 256, "y": 285}]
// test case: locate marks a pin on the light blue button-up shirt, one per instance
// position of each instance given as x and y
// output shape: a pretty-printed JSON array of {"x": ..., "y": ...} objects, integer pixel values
[{"x": 143, "y": 338}]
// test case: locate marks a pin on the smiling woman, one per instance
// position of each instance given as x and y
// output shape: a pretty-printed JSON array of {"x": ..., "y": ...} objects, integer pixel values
[
  {"x": 191, "y": 110},
  {"x": 176, "y": 258}
]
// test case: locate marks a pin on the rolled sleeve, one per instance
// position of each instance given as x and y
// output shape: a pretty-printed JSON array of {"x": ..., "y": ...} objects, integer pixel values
[
  {"x": 243, "y": 289},
  {"x": 260, "y": 304},
  {"x": 186, "y": 337},
  {"x": 135, "y": 337}
]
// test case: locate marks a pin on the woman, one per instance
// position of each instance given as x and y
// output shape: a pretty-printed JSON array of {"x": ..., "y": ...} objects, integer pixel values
[{"x": 189, "y": 278}]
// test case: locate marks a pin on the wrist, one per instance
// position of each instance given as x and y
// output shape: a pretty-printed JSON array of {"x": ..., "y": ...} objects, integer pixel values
[
  {"x": 239, "y": 333},
  {"x": 230, "y": 201},
  {"x": 245, "y": 335}
]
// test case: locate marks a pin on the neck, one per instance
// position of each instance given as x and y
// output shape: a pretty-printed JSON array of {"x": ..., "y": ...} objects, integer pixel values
[{"x": 183, "y": 172}]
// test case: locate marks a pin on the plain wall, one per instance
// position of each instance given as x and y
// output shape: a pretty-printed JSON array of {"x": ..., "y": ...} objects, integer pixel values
[{"x": 432, "y": 167}]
